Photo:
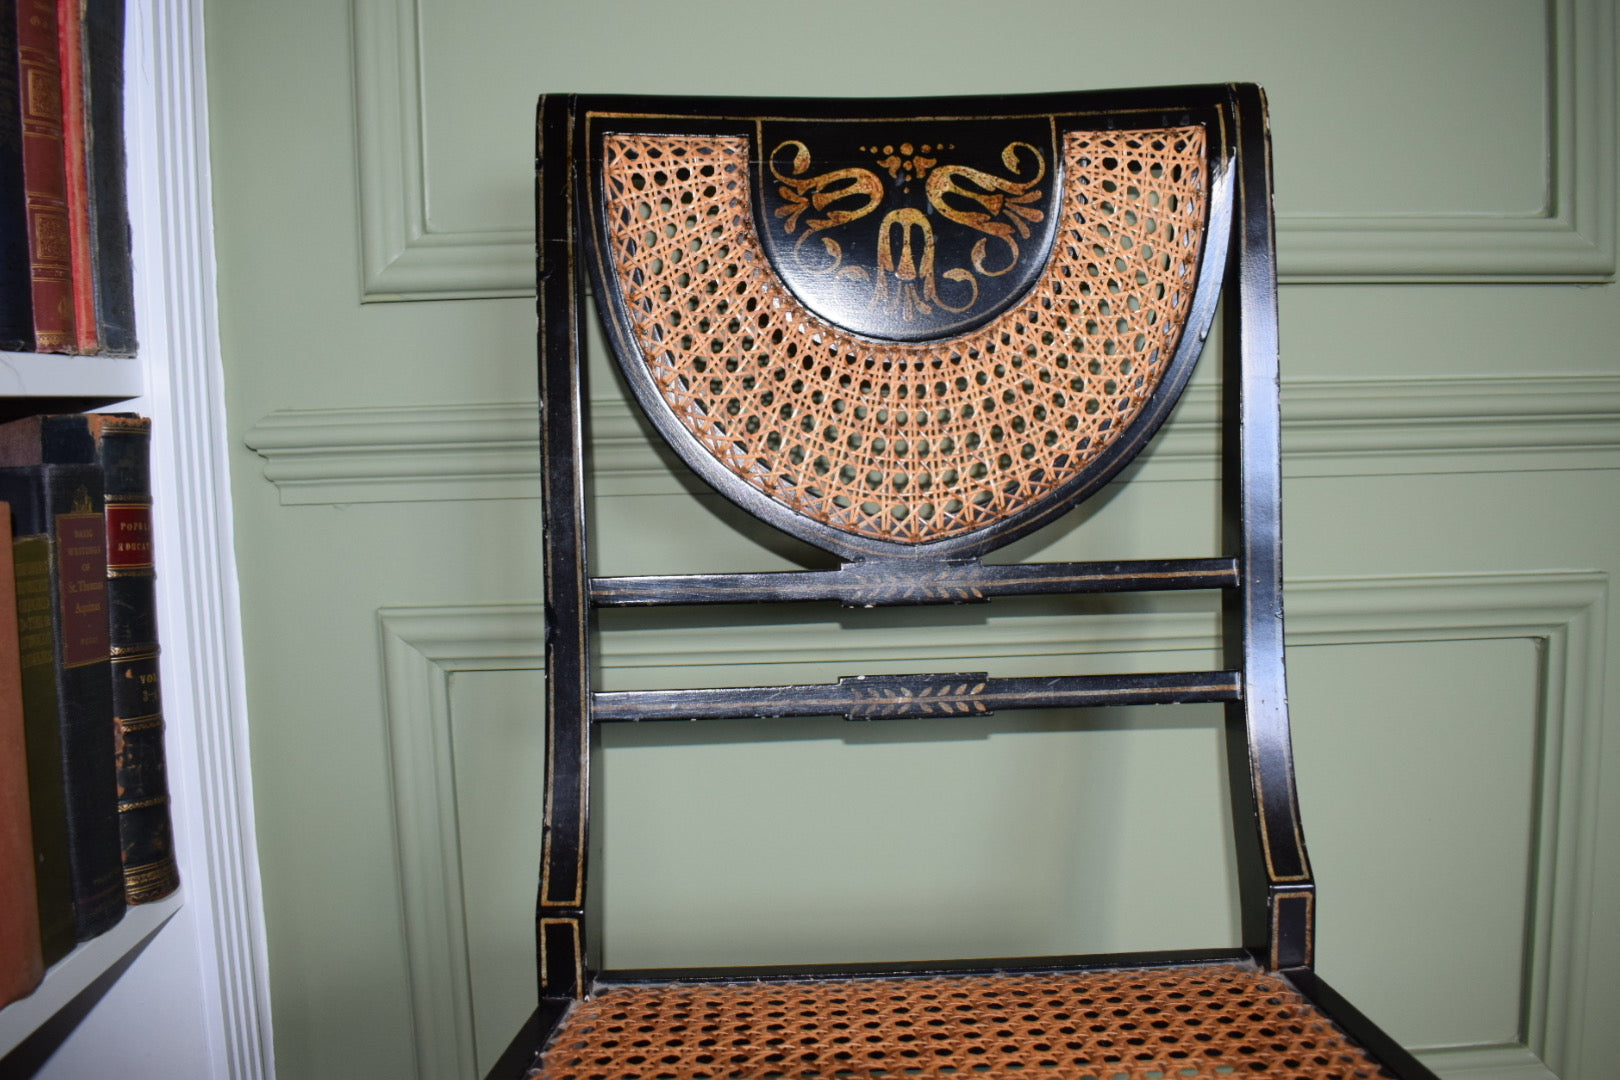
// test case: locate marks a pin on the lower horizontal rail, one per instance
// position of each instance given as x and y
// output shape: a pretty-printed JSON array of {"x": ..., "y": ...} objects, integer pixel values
[
  {"x": 902, "y": 581},
  {"x": 895, "y": 697}
]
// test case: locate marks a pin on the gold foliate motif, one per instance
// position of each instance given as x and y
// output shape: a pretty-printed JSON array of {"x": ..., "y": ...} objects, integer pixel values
[
  {"x": 905, "y": 278},
  {"x": 907, "y": 441},
  {"x": 879, "y": 697}
]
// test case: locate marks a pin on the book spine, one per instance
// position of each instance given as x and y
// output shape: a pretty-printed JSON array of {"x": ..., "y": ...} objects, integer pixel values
[
  {"x": 44, "y": 176},
  {"x": 124, "y": 447},
  {"x": 70, "y": 501},
  {"x": 109, "y": 201},
  {"x": 86, "y": 696},
  {"x": 70, "y": 59},
  {"x": 36, "y": 634},
  {"x": 22, "y": 963},
  {"x": 16, "y": 302}
]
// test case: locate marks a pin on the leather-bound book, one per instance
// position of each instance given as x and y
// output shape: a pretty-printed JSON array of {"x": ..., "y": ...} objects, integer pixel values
[
  {"x": 21, "y": 959},
  {"x": 123, "y": 443},
  {"x": 70, "y": 59},
  {"x": 39, "y": 76},
  {"x": 16, "y": 302},
  {"x": 47, "y": 796},
  {"x": 63, "y": 504},
  {"x": 105, "y": 163}
]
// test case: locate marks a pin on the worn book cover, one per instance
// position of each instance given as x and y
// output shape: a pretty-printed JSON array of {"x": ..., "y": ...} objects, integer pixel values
[
  {"x": 50, "y": 247},
  {"x": 22, "y": 962},
  {"x": 16, "y": 302},
  {"x": 62, "y": 504},
  {"x": 110, "y": 249},
  {"x": 123, "y": 447},
  {"x": 70, "y": 59}
]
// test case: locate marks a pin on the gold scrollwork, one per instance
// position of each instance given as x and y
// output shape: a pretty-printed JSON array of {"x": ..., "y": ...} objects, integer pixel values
[
  {"x": 993, "y": 196},
  {"x": 905, "y": 279},
  {"x": 905, "y": 263},
  {"x": 801, "y": 193}
]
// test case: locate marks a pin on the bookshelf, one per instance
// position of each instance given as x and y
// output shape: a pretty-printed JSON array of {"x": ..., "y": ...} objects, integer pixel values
[
  {"x": 29, "y": 381},
  {"x": 178, "y": 986},
  {"x": 78, "y": 970},
  {"x": 34, "y": 383}
]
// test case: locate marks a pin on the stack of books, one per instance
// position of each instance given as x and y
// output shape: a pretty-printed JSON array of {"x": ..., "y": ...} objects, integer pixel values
[
  {"x": 84, "y": 811},
  {"x": 66, "y": 283}
]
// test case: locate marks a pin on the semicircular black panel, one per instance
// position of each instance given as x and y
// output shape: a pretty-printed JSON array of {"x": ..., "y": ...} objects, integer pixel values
[{"x": 908, "y": 230}]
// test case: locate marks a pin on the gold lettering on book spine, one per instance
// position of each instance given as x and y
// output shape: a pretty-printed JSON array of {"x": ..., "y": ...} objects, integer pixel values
[{"x": 908, "y": 442}]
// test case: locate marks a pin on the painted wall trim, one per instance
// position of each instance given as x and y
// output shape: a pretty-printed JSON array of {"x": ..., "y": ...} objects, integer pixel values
[
  {"x": 204, "y": 695},
  {"x": 1563, "y": 611},
  {"x": 1570, "y": 238},
  {"x": 421, "y": 649},
  {"x": 404, "y": 256},
  {"x": 1370, "y": 427}
]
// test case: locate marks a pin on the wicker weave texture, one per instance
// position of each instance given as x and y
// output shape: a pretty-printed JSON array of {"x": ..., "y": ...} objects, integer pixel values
[
  {"x": 1198, "y": 1022},
  {"x": 907, "y": 442}
]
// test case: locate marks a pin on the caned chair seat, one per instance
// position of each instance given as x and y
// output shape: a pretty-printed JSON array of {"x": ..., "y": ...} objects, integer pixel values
[
  {"x": 1199, "y": 1022},
  {"x": 908, "y": 333}
]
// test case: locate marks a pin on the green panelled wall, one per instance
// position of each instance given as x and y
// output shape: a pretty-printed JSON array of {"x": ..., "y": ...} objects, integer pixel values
[{"x": 1445, "y": 178}]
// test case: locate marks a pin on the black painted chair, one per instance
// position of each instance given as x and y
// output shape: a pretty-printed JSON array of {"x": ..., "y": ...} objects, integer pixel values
[{"x": 908, "y": 333}]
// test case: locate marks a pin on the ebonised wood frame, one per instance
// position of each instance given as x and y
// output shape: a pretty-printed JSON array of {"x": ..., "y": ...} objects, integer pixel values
[{"x": 1236, "y": 271}]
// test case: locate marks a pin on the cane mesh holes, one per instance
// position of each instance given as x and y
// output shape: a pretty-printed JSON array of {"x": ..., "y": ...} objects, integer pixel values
[
  {"x": 1190, "y": 1023},
  {"x": 920, "y": 441}
]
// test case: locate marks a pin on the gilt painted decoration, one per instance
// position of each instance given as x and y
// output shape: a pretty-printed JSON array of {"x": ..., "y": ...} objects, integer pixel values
[
  {"x": 908, "y": 231},
  {"x": 892, "y": 338}
]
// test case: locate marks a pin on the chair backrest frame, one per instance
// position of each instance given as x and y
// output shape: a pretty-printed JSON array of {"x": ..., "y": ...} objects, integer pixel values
[{"x": 1235, "y": 268}]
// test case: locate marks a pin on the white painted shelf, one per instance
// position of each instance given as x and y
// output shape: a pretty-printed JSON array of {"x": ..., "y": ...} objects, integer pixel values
[
  {"x": 53, "y": 375},
  {"x": 67, "y": 380},
  {"x": 70, "y": 976}
]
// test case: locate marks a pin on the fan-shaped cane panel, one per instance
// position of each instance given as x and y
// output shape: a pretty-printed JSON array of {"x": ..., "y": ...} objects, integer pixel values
[{"x": 907, "y": 442}]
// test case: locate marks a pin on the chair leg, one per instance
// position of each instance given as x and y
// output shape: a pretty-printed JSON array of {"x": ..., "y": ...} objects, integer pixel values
[
  {"x": 1391, "y": 1054},
  {"x": 518, "y": 1059}
]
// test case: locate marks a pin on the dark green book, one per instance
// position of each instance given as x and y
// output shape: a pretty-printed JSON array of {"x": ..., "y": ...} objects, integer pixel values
[
  {"x": 42, "y": 742},
  {"x": 123, "y": 448},
  {"x": 105, "y": 168}
]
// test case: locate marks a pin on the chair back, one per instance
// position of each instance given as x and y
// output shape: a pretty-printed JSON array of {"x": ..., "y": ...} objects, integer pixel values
[{"x": 908, "y": 333}]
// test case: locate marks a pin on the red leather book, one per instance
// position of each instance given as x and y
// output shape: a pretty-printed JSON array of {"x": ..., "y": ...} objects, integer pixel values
[
  {"x": 75, "y": 141},
  {"x": 22, "y": 964},
  {"x": 50, "y": 246}
]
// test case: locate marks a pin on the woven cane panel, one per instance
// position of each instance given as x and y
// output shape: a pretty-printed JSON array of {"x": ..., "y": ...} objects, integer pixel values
[
  {"x": 1197, "y": 1023},
  {"x": 907, "y": 442}
]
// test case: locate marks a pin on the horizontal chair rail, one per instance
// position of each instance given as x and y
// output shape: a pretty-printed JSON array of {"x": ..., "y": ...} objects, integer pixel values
[
  {"x": 875, "y": 584},
  {"x": 895, "y": 697},
  {"x": 924, "y": 968}
]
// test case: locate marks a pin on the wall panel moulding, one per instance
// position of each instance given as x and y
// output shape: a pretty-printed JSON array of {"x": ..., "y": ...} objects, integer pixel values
[{"x": 1570, "y": 236}]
